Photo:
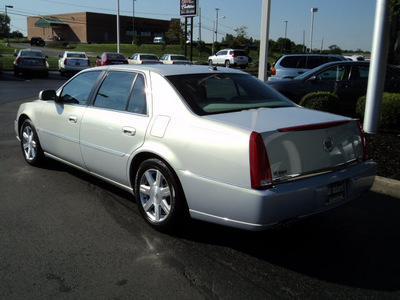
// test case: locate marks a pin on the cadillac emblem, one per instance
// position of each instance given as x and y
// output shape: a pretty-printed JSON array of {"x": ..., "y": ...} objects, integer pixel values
[{"x": 328, "y": 144}]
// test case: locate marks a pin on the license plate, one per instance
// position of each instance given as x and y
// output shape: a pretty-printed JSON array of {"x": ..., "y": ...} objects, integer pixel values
[{"x": 336, "y": 192}]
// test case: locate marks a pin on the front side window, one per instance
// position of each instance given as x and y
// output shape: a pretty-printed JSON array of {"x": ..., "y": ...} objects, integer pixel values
[
  {"x": 115, "y": 90},
  {"x": 77, "y": 91},
  {"x": 334, "y": 73},
  {"x": 221, "y": 93}
]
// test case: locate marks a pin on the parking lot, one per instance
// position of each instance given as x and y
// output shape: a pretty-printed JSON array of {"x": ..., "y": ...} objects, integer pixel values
[{"x": 65, "y": 234}]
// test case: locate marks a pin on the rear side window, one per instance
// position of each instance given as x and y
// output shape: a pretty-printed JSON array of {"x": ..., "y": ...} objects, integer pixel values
[
  {"x": 114, "y": 90},
  {"x": 290, "y": 61},
  {"x": 123, "y": 91}
]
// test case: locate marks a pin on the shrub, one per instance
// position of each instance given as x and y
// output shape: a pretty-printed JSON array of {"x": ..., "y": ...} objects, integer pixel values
[
  {"x": 324, "y": 101},
  {"x": 390, "y": 111}
]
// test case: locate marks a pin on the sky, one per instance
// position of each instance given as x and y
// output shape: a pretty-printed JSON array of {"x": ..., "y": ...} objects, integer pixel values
[{"x": 345, "y": 23}]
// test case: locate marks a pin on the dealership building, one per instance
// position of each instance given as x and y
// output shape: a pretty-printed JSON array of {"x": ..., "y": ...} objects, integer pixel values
[{"x": 88, "y": 27}]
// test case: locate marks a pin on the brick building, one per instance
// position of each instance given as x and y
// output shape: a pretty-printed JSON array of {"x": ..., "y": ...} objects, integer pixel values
[{"x": 86, "y": 27}]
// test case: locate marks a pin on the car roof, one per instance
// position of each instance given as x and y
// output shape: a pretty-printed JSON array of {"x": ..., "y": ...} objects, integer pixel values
[{"x": 169, "y": 70}]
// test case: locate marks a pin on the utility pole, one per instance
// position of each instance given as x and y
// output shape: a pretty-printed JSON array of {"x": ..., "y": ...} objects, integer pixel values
[
  {"x": 313, "y": 10},
  {"x": 264, "y": 39},
  {"x": 285, "y": 29},
  {"x": 118, "y": 43}
]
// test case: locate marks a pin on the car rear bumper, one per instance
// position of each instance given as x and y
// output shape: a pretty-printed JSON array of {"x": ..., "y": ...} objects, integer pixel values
[{"x": 255, "y": 210}]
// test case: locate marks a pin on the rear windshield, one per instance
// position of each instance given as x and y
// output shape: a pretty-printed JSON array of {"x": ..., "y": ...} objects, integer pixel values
[
  {"x": 76, "y": 55},
  {"x": 222, "y": 93},
  {"x": 148, "y": 56},
  {"x": 116, "y": 56},
  {"x": 239, "y": 53},
  {"x": 176, "y": 57},
  {"x": 31, "y": 54}
]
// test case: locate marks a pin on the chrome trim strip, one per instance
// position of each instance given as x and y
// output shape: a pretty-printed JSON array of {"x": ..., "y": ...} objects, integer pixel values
[
  {"x": 60, "y": 136},
  {"x": 100, "y": 148},
  {"x": 103, "y": 149}
]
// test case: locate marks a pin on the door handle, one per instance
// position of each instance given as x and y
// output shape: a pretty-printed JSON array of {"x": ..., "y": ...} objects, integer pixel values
[
  {"x": 129, "y": 131},
  {"x": 73, "y": 119}
]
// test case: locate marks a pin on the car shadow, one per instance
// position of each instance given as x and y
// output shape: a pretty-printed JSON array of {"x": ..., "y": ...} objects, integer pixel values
[{"x": 353, "y": 245}]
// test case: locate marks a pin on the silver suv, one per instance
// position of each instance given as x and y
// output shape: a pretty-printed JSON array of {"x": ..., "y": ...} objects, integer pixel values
[
  {"x": 293, "y": 65},
  {"x": 229, "y": 58}
]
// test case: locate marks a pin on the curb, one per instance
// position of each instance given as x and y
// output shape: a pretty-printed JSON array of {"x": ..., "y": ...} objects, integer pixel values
[{"x": 386, "y": 186}]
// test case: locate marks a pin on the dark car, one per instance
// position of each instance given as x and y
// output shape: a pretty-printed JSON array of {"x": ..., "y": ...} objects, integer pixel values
[
  {"x": 37, "y": 41},
  {"x": 347, "y": 79},
  {"x": 32, "y": 62},
  {"x": 110, "y": 58}
]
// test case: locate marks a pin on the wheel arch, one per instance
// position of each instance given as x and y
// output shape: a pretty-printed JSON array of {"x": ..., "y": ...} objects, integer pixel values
[{"x": 143, "y": 156}]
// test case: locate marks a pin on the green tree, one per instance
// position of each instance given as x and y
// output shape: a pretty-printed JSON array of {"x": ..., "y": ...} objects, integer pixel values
[
  {"x": 394, "y": 40},
  {"x": 175, "y": 33},
  {"x": 4, "y": 25}
]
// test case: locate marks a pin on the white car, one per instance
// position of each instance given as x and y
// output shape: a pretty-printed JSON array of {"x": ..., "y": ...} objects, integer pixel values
[
  {"x": 73, "y": 62},
  {"x": 229, "y": 58},
  {"x": 213, "y": 143},
  {"x": 144, "y": 59},
  {"x": 175, "y": 59}
]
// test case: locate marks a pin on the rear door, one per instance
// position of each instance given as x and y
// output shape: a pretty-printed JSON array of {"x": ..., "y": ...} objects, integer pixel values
[{"x": 115, "y": 125}]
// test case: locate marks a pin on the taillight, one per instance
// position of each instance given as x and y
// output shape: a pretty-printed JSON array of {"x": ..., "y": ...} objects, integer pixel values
[
  {"x": 88, "y": 63},
  {"x": 44, "y": 62},
  {"x": 18, "y": 60},
  {"x": 260, "y": 170},
  {"x": 273, "y": 71},
  {"x": 364, "y": 145},
  {"x": 65, "y": 61}
]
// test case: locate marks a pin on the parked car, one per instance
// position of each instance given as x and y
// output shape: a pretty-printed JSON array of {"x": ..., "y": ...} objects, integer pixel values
[
  {"x": 110, "y": 58},
  {"x": 229, "y": 58},
  {"x": 347, "y": 79},
  {"x": 158, "y": 40},
  {"x": 37, "y": 41},
  {"x": 216, "y": 144},
  {"x": 355, "y": 57},
  {"x": 144, "y": 59},
  {"x": 72, "y": 62},
  {"x": 175, "y": 59},
  {"x": 31, "y": 61},
  {"x": 292, "y": 65}
]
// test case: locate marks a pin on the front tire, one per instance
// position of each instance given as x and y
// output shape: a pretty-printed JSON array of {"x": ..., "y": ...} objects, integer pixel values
[
  {"x": 30, "y": 144},
  {"x": 159, "y": 195}
]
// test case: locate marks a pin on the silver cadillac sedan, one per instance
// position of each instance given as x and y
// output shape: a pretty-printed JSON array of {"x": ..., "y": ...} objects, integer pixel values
[{"x": 215, "y": 144}]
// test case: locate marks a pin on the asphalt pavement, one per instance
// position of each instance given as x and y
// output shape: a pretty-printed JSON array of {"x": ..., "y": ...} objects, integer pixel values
[{"x": 67, "y": 235}]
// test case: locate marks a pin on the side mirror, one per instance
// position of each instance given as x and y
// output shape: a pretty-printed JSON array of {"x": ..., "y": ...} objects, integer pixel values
[
  {"x": 48, "y": 95},
  {"x": 98, "y": 57},
  {"x": 313, "y": 78},
  {"x": 59, "y": 55}
]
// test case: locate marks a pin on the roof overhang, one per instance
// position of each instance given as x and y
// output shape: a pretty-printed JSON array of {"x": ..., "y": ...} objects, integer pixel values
[{"x": 51, "y": 22}]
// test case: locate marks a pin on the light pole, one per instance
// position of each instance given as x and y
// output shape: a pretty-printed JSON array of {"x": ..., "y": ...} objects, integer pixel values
[
  {"x": 118, "y": 43},
  {"x": 8, "y": 32},
  {"x": 133, "y": 23},
  {"x": 216, "y": 25},
  {"x": 285, "y": 29},
  {"x": 313, "y": 10}
]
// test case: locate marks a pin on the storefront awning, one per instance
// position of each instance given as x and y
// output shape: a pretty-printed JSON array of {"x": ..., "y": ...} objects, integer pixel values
[{"x": 50, "y": 22}]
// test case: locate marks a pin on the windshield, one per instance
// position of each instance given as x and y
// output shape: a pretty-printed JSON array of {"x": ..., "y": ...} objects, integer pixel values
[{"x": 221, "y": 93}]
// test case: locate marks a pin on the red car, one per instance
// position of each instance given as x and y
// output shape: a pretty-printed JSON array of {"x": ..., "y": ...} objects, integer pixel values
[{"x": 110, "y": 58}]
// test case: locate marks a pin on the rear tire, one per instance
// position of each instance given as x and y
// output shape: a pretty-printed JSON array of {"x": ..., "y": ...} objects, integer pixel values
[
  {"x": 30, "y": 144},
  {"x": 227, "y": 64},
  {"x": 159, "y": 196}
]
